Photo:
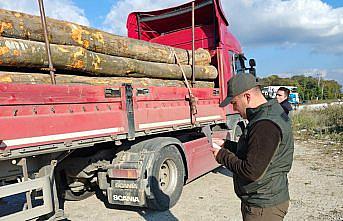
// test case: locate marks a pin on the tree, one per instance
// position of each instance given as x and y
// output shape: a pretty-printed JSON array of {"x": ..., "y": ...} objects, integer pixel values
[{"x": 309, "y": 88}]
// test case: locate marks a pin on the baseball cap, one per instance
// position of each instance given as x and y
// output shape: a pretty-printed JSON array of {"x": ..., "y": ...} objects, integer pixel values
[{"x": 237, "y": 85}]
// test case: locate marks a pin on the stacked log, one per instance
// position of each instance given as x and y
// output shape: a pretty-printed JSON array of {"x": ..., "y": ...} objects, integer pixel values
[
  {"x": 28, "y": 27},
  {"x": 41, "y": 78},
  {"x": 23, "y": 53},
  {"x": 87, "y": 51}
]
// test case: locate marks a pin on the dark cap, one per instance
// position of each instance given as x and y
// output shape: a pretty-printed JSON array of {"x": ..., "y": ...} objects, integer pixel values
[{"x": 237, "y": 85}]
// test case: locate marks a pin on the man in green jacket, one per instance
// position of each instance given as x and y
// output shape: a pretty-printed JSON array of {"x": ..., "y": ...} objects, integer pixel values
[{"x": 263, "y": 156}]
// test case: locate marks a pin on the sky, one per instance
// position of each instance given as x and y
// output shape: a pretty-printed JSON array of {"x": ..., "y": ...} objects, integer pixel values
[{"x": 285, "y": 37}]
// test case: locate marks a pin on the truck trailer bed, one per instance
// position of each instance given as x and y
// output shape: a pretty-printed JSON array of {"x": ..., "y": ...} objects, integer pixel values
[{"x": 37, "y": 119}]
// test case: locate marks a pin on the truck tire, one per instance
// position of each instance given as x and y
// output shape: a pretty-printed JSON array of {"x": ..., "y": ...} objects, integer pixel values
[{"x": 167, "y": 179}]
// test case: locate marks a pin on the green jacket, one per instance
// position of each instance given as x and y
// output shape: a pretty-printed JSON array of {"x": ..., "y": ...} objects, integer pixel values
[{"x": 272, "y": 188}]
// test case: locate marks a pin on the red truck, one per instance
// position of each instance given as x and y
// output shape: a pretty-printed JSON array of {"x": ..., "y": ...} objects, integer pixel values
[{"x": 134, "y": 146}]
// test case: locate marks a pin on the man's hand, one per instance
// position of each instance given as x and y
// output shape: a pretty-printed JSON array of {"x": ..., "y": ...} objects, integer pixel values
[
  {"x": 219, "y": 142},
  {"x": 215, "y": 151},
  {"x": 217, "y": 145}
]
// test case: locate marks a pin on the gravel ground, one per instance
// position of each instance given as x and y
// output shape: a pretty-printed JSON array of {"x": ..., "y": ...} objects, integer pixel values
[
  {"x": 316, "y": 182},
  {"x": 316, "y": 188}
]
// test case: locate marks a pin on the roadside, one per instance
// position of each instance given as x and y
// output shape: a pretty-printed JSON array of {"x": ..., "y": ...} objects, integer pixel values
[
  {"x": 316, "y": 188},
  {"x": 316, "y": 182}
]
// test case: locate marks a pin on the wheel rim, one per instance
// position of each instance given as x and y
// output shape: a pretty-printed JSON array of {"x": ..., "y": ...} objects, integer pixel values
[{"x": 167, "y": 176}]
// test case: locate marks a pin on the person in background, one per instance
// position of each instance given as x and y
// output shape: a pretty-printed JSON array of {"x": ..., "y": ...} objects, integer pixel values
[
  {"x": 263, "y": 156},
  {"x": 282, "y": 96}
]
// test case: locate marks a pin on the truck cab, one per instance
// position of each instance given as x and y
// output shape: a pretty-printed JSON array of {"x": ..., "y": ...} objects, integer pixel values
[{"x": 173, "y": 27}]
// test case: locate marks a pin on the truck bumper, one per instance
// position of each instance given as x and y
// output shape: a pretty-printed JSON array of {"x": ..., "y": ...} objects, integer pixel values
[{"x": 42, "y": 183}]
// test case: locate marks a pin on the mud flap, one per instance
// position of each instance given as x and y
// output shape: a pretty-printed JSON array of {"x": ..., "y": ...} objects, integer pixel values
[
  {"x": 129, "y": 190},
  {"x": 131, "y": 197},
  {"x": 127, "y": 180}
]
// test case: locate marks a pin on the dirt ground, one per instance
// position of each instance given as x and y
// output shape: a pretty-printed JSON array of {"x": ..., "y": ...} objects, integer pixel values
[{"x": 315, "y": 181}]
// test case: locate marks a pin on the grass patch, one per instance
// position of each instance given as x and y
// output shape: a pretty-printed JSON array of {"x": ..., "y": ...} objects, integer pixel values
[{"x": 325, "y": 124}]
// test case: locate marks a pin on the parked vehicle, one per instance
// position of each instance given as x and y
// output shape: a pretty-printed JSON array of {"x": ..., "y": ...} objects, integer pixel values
[
  {"x": 270, "y": 92},
  {"x": 135, "y": 146}
]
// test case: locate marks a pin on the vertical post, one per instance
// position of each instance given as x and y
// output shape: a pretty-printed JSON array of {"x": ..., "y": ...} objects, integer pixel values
[
  {"x": 193, "y": 44},
  {"x": 139, "y": 26},
  {"x": 47, "y": 45},
  {"x": 319, "y": 78},
  {"x": 130, "y": 111},
  {"x": 323, "y": 90},
  {"x": 23, "y": 164}
]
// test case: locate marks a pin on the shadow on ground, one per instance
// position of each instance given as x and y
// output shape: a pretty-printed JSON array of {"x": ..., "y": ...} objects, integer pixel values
[
  {"x": 147, "y": 214},
  {"x": 222, "y": 170}
]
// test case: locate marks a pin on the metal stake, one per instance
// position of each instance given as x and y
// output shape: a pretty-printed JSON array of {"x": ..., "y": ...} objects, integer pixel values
[
  {"x": 193, "y": 44},
  {"x": 139, "y": 26},
  {"x": 47, "y": 45}
]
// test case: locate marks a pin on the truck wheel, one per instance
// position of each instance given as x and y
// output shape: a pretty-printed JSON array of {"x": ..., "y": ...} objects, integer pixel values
[{"x": 167, "y": 179}]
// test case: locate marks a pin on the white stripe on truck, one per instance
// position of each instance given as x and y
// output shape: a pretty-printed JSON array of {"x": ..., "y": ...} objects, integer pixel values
[
  {"x": 65, "y": 136},
  {"x": 175, "y": 122},
  {"x": 41, "y": 139}
]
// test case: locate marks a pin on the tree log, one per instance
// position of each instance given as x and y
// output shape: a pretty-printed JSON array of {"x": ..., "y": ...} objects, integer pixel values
[
  {"x": 28, "y": 27},
  {"x": 43, "y": 78},
  {"x": 23, "y": 53}
]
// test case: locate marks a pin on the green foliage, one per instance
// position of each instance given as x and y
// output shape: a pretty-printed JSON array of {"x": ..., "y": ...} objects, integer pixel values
[
  {"x": 305, "y": 121},
  {"x": 309, "y": 88},
  {"x": 320, "y": 123},
  {"x": 332, "y": 118}
]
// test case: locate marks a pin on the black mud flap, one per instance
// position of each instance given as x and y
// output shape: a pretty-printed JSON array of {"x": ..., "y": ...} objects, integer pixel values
[
  {"x": 127, "y": 180},
  {"x": 130, "y": 190},
  {"x": 129, "y": 197}
]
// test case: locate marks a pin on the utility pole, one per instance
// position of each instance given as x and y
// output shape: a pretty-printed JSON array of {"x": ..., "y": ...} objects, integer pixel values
[
  {"x": 319, "y": 75},
  {"x": 322, "y": 90}
]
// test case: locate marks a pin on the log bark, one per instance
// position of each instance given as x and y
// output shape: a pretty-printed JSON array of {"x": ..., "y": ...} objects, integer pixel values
[
  {"x": 28, "y": 27},
  {"x": 23, "y": 53},
  {"x": 43, "y": 78}
]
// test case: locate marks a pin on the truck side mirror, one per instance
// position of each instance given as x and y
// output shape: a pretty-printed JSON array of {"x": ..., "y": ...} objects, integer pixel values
[{"x": 252, "y": 63}]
